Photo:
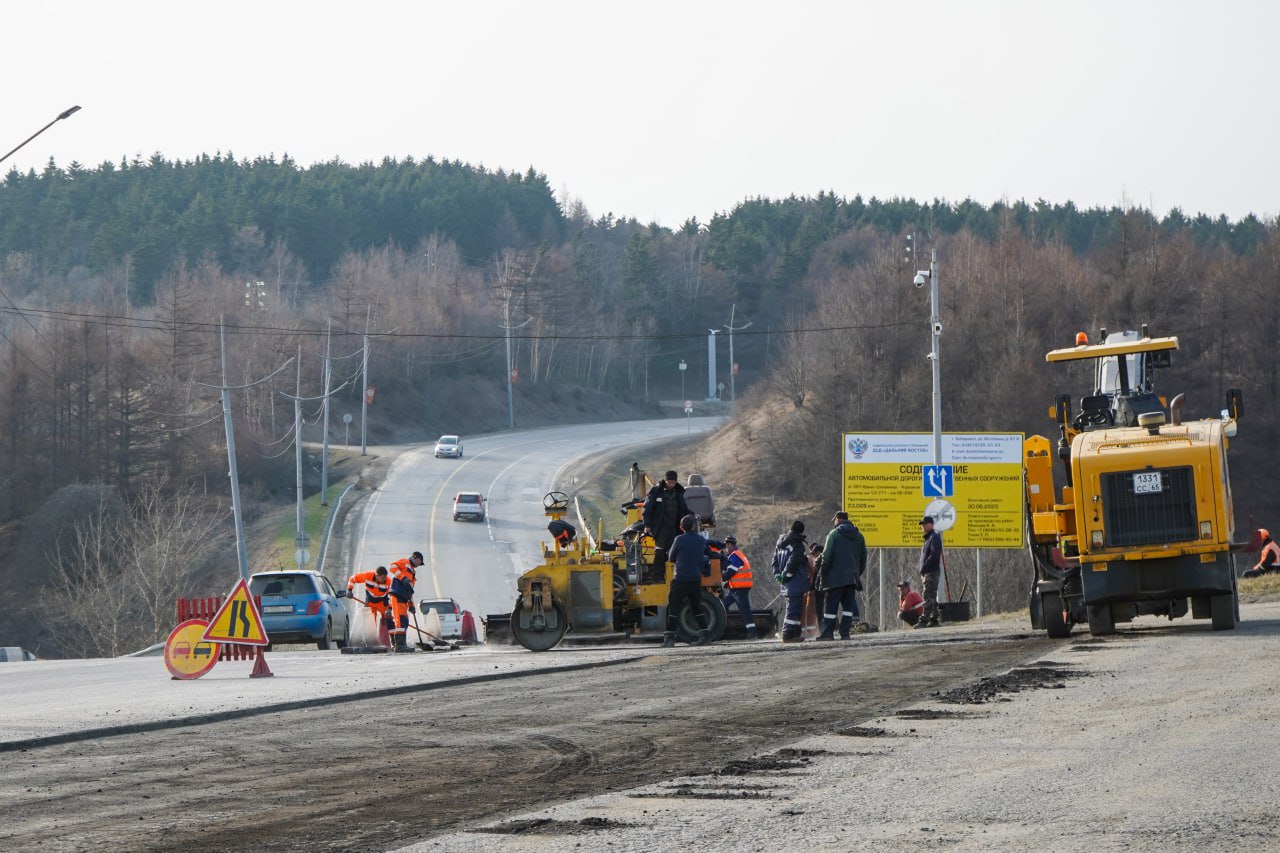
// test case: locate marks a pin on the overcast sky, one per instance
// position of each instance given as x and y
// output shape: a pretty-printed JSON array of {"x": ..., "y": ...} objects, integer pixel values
[{"x": 666, "y": 110}]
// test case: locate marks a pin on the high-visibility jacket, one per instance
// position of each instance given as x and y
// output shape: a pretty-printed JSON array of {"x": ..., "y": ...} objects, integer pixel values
[
  {"x": 742, "y": 577},
  {"x": 375, "y": 588},
  {"x": 1270, "y": 555},
  {"x": 403, "y": 576}
]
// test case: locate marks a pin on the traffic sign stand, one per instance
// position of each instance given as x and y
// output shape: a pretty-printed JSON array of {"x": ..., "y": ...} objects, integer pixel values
[{"x": 260, "y": 668}]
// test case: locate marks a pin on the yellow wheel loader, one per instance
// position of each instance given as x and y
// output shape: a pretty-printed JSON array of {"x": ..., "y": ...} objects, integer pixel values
[
  {"x": 609, "y": 589},
  {"x": 1144, "y": 522}
]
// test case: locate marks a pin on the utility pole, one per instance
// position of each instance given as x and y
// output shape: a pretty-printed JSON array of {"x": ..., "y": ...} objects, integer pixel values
[
  {"x": 511, "y": 406},
  {"x": 733, "y": 365},
  {"x": 324, "y": 461},
  {"x": 364, "y": 391},
  {"x": 300, "y": 536},
  {"x": 242, "y": 553}
]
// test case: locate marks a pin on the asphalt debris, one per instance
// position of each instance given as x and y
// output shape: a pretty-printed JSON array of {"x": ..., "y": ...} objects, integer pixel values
[
  {"x": 548, "y": 825},
  {"x": 1041, "y": 675}
]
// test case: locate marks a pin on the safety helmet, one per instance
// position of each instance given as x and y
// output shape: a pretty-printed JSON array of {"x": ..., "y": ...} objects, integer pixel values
[
  {"x": 1262, "y": 531},
  {"x": 730, "y": 540},
  {"x": 381, "y": 570}
]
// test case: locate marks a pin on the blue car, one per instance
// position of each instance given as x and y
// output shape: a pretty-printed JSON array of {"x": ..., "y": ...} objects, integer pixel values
[{"x": 301, "y": 607}]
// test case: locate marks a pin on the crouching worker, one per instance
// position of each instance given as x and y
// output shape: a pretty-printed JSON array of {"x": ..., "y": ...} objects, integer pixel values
[
  {"x": 377, "y": 588},
  {"x": 1268, "y": 560},
  {"x": 910, "y": 604},
  {"x": 404, "y": 575},
  {"x": 691, "y": 556},
  {"x": 791, "y": 570}
]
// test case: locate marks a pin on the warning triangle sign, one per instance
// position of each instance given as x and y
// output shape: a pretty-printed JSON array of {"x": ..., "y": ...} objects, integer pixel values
[{"x": 237, "y": 620}]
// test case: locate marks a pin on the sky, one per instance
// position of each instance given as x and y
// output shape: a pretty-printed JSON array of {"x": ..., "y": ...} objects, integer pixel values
[{"x": 664, "y": 111}]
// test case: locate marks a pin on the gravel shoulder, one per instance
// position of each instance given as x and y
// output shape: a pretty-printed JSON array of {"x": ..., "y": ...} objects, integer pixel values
[{"x": 1159, "y": 738}]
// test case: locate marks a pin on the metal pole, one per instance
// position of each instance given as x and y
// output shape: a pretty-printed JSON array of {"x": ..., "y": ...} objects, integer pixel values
[
  {"x": 364, "y": 391},
  {"x": 935, "y": 327},
  {"x": 64, "y": 114},
  {"x": 324, "y": 460},
  {"x": 297, "y": 464},
  {"x": 732, "y": 390},
  {"x": 242, "y": 554},
  {"x": 711, "y": 364},
  {"x": 979, "y": 592},
  {"x": 511, "y": 409},
  {"x": 880, "y": 592}
]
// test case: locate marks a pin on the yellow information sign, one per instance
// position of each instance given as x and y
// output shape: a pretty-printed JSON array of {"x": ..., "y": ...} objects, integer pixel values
[
  {"x": 975, "y": 495},
  {"x": 237, "y": 620}
]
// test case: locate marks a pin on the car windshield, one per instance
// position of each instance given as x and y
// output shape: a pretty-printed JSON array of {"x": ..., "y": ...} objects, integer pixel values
[
  {"x": 468, "y": 499},
  {"x": 448, "y": 439},
  {"x": 282, "y": 585}
]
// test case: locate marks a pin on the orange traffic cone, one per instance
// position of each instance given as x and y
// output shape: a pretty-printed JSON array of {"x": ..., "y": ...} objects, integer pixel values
[
  {"x": 260, "y": 668},
  {"x": 468, "y": 627}
]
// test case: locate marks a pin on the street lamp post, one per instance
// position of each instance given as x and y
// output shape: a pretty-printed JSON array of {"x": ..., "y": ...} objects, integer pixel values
[
  {"x": 935, "y": 334},
  {"x": 711, "y": 364},
  {"x": 67, "y": 113},
  {"x": 683, "y": 368}
]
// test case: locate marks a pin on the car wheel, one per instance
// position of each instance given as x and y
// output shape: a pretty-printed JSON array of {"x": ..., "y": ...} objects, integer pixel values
[
  {"x": 346, "y": 634},
  {"x": 323, "y": 643},
  {"x": 455, "y": 518}
]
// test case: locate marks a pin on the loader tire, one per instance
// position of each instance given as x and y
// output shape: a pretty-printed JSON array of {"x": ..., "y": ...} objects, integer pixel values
[
  {"x": 1054, "y": 616},
  {"x": 1101, "y": 621},
  {"x": 1222, "y": 610}
]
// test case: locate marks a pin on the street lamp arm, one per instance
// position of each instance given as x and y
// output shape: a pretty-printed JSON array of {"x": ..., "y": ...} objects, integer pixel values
[{"x": 64, "y": 114}]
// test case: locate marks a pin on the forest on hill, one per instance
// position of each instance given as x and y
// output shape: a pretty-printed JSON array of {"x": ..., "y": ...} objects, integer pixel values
[{"x": 114, "y": 281}]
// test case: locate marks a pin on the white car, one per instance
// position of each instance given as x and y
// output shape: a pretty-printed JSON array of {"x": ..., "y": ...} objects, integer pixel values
[
  {"x": 450, "y": 616},
  {"x": 468, "y": 505},
  {"x": 449, "y": 445}
]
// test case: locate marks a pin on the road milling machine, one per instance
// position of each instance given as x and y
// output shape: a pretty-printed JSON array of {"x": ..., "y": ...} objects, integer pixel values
[
  {"x": 1144, "y": 523},
  {"x": 610, "y": 589}
]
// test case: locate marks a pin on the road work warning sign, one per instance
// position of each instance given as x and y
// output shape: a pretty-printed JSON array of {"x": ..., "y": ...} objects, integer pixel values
[
  {"x": 237, "y": 620},
  {"x": 887, "y": 487}
]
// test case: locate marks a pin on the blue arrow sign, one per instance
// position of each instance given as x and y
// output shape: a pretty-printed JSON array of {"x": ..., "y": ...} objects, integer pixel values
[{"x": 938, "y": 481}]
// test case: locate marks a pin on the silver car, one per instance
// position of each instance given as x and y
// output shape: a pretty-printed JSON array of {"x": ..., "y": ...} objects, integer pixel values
[
  {"x": 468, "y": 505},
  {"x": 450, "y": 446}
]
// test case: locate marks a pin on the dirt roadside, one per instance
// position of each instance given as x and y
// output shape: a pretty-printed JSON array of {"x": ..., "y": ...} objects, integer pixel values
[{"x": 384, "y": 773}]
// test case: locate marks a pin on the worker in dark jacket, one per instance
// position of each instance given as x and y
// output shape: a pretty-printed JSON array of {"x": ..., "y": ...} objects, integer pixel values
[
  {"x": 664, "y": 507},
  {"x": 791, "y": 570},
  {"x": 930, "y": 568},
  {"x": 691, "y": 555},
  {"x": 844, "y": 559}
]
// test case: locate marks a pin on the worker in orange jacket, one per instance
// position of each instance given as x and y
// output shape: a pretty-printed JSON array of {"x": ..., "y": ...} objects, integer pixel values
[
  {"x": 377, "y": 593},
  {"x": 1269, "y": 559},
  {"x": 404, "y": 574},
  {"x": 736, "y": 573}
]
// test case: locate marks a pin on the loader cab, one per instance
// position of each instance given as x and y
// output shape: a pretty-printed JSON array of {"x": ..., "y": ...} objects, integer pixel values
[{"x": 1124, "y": 378}]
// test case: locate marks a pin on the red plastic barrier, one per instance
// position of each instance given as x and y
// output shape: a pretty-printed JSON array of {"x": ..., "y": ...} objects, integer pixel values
[{"x": 206, "y": 609}]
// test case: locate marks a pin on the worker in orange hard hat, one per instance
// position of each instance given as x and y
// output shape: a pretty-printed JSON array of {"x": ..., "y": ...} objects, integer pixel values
[
  {"x": 404, "y": 574},
  {"x": 1269, "y": 560},
  {"x": 377, "y": 589}
]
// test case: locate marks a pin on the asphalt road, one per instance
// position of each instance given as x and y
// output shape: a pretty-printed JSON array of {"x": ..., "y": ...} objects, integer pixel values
[
  {"x": 436, "y": 754},
  {"x": 475, "y": 563}
]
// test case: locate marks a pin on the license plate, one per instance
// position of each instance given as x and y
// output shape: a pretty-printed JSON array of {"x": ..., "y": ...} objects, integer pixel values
[
  {"x": 278, "y": 608},
  {"x": 1147, "y": 483}
]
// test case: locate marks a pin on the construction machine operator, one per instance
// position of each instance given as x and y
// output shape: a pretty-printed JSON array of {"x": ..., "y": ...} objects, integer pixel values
[
  {"x": 664, "y": 507},
  {"x": 404, "y": 574}
]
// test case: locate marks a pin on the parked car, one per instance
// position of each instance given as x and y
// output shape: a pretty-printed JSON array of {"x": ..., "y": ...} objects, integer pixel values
[
  {"x": 301, "y": 607},
  {"x": 468, "y": 505},
  {"x": 15, "y": 653},
  {"x": 450, "y": 616},
  {"x": 449, "y": 445}
]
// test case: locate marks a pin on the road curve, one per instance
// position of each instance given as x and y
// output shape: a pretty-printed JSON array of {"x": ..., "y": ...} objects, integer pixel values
[{"x": 477, "y": 563}]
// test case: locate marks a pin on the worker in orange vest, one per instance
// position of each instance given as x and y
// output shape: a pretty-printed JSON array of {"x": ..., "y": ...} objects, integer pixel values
[
  {"x": 377, "y": 589},
  {"x": 1269, "y": 559},
  {"x": 736, "y": 574},
  {"x": 404, "y": 574}
]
